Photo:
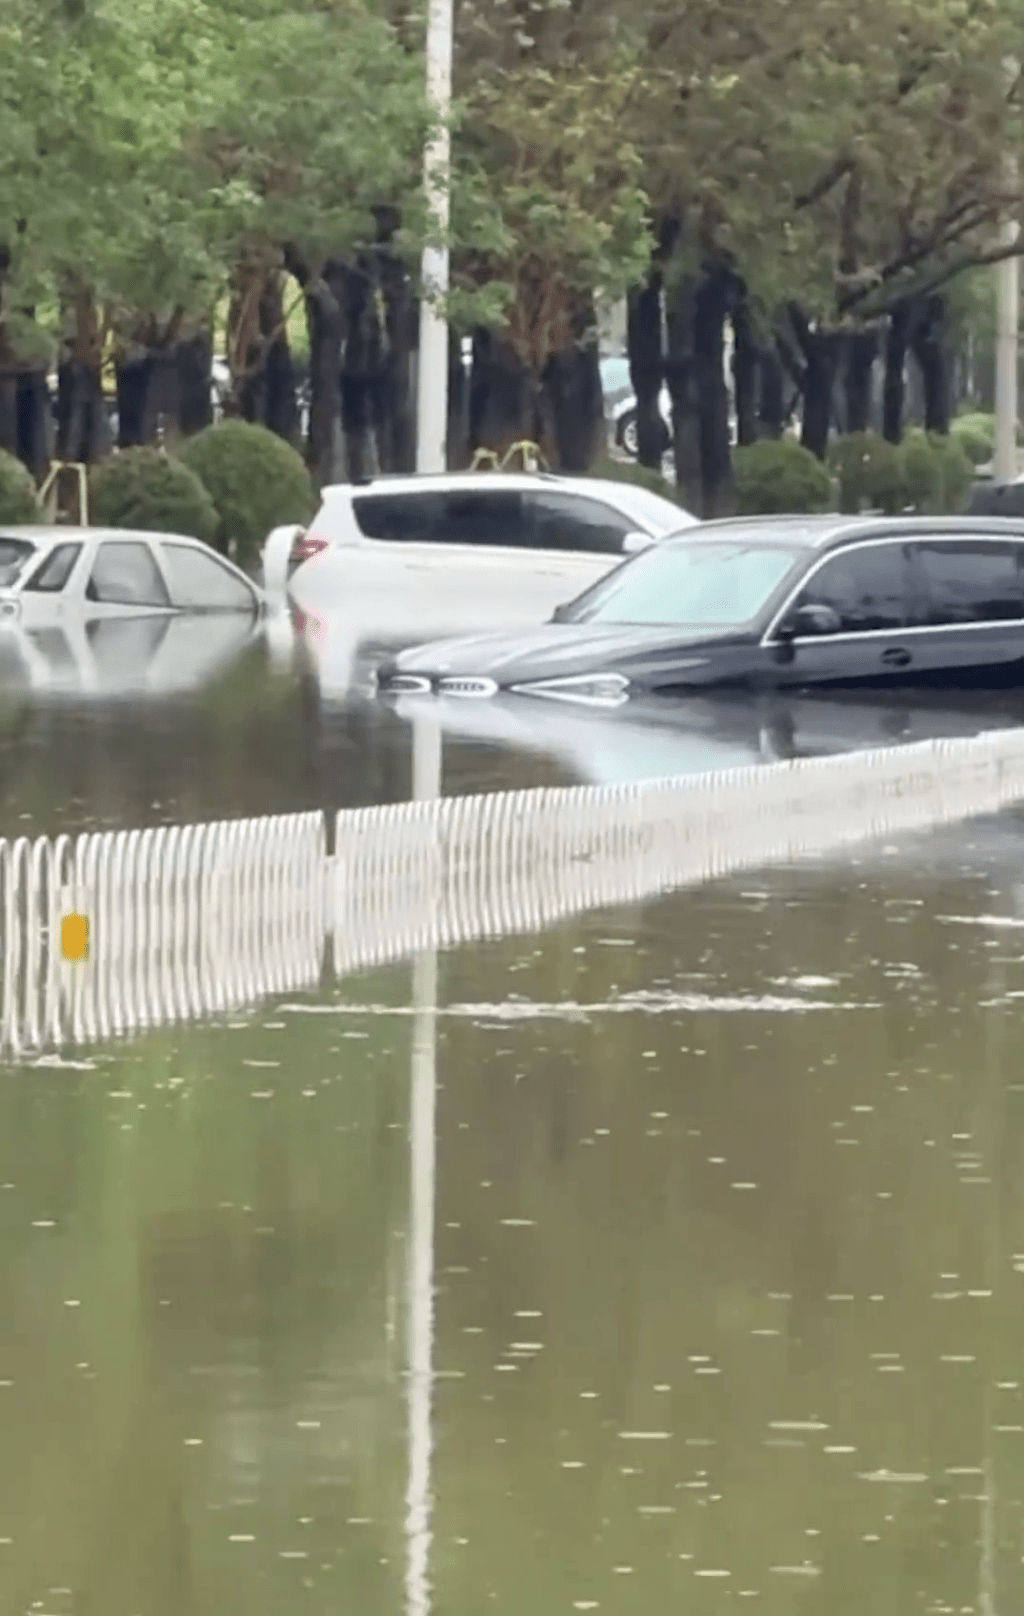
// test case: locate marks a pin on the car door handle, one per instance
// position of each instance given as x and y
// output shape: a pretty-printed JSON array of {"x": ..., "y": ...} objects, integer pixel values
[{"x": 896, "y": 657}]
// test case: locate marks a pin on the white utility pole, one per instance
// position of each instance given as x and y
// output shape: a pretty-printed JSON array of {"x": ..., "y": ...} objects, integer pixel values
[
  {"x": 1007, "y": 325},
  {"x": 432, "y": 376}
]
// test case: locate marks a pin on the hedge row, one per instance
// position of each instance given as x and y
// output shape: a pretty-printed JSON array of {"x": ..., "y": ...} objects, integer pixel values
[{"x": 923, "y": 474}]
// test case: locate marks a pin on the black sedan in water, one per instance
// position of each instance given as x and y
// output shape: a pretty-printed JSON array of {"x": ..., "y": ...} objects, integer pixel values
[{"x": 765, "y": 603}]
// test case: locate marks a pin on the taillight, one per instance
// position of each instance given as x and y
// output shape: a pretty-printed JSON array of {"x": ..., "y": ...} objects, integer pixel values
[{"x": 306, "y": 546}]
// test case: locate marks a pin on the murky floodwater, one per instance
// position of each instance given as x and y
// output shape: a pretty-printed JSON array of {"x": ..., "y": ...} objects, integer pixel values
[{"x": 720, "y": 1249}]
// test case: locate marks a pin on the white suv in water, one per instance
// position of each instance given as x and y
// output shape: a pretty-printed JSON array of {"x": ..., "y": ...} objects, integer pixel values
[{"x": 404, "y": 559}]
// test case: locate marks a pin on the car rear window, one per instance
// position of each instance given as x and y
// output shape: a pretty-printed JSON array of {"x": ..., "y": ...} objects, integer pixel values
[{"x": 13, "y": 555}]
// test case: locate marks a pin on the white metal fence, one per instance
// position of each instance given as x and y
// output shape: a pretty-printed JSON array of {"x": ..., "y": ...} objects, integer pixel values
[
  {"x": 422, "y": 874},
  {"x": 187, "y": 921},
  {"x": 184, "y": 921}
]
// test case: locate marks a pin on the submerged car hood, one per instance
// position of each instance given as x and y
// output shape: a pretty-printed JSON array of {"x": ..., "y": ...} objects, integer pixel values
[{"x": 550, "y": 652}]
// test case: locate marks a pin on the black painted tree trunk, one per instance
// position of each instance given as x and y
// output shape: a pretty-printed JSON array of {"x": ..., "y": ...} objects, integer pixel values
[
  {"x": 894, "y": 387},
  {"x": 746, "y": 364},
  {"x": 503, "y": 396},
  {"x": 928, "y": 346},
  {"x": 325, "y": 315},
  {"x": 682, "y": 378},
  {"x": 195, "y": 382},
  {"x": 861, "y": 353},
  {"x": 771, "y": 395},
  {"x": 717, "y": 295},
  {"x": 571, "y": 387},
  {"x": 646, "y": 368},
  {"x": 394, "y": 419},
  {"x": 820, "y": 349}
]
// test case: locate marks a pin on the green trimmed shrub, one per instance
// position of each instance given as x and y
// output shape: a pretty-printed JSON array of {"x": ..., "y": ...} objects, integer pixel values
[
  {"x": 921, "y": 471},
  {"x": 983, "y": 422},
  {"x": 976, "y": 443},
  {"x": 956, "y": 472},
  {"x": 779, "y": 477},
  {"x": 627, "y": 471},
  {"x": 256, "y": 480},
  {"x": 866, "y": 469},
  {"x": 17, "y": 491},
  {"x": 151, "y": 491}
]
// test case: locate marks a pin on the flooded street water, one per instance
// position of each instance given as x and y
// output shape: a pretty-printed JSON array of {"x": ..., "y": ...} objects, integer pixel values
[{"x": 708, "y": 1294}]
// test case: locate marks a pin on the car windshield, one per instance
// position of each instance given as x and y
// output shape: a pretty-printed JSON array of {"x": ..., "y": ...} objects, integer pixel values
[
  {"x": 13, "y": 555},
  {"x": 706, "y": 584}
]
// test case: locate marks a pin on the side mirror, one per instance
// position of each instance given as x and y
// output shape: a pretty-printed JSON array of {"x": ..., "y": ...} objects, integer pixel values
[
  {"x": 633, "y": 543},
  {"x": 809, "y": 620}
]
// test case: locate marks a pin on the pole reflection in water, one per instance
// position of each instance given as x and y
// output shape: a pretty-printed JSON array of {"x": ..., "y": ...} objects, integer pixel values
[{"x": 423, "y": 1152}]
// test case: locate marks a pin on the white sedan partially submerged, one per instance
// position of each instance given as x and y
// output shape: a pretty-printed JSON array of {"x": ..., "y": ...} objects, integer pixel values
[
  {"x": 52, "y": 574},
  {"x": 106, "y": 612}
]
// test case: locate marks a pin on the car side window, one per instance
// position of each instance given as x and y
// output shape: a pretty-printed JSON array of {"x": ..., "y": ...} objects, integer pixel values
[
  {"x": 201, "y": 581},
  {"x": 573, "y": 522},
  {"x": 971, "y": 580},
  {"x": 414, "y": 518},
  {"x": 867, "y": 589},
  {"x": 484, "y": 517},
  {"x": 126, "y": 574},
  {"x": 55, "y": 571}
]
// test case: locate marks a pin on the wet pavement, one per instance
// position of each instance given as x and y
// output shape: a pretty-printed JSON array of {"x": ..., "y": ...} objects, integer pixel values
[{"x": 720, "y": 1248}]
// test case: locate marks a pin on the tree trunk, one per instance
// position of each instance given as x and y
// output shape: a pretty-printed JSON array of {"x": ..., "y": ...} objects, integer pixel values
[
  {"x": 819, "y": 350},
  {"x": 928, "y": 347},
  {"x": 360, "y": 371},
  {"x": 895, "y": 364},
  {"x": 195, "y": 382},
  {"x": 395, "y": 424},
  {"x": 745, "y": 359},
  {"x": 83, "y": 427},
  {"x": 35, "y": 423},
  {"x": 459, "y": 455},
  {"x": 646, "y": 368},
  {"x": 162, "y": 406},
  {"x": 131, "y": 379},
  {"x": 861, "y": 351},
  {"x": 325, "y": 313},
  {"x": 281, "y": 405},
  {"x": 572, "y": 389},
  {"x": 714, "y": 301},
  {"x": 771, "y": 401},
  {"x": 681, "y": 376},
  {"x": 819, "y": 380},
  {"x": 502, "y": 396}
]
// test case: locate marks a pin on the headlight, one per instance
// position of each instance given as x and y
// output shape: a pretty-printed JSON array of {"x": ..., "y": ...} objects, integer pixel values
[
  {"x": 404, "y": 684},
  {"x": 589, "y": 689}
]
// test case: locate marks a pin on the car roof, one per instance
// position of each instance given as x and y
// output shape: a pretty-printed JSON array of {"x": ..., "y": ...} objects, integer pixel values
[
  {"x": 444, "y": 481},
  {"x": 47, "y": 532},
  {"x": 831, "y": 531}
]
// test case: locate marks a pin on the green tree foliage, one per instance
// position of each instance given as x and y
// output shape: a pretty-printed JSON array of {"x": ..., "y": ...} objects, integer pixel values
[
  {"x": 256, "y": 482},
  {"x": 148, "y": 490}
]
